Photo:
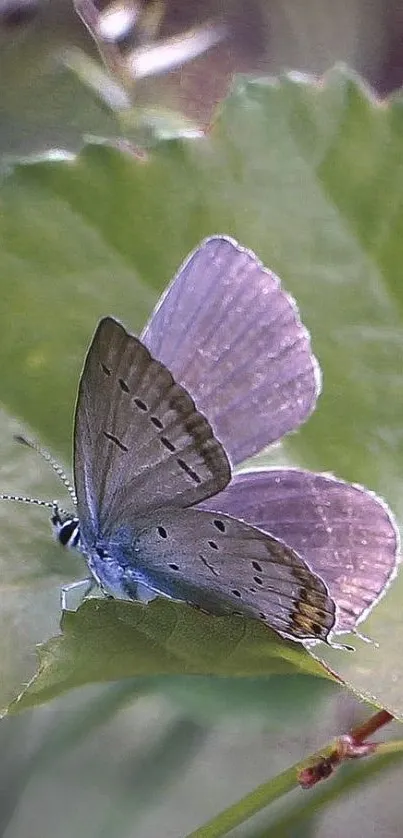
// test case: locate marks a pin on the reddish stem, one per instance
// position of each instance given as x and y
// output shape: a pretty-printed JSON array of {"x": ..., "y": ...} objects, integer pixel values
[
  {"x": 378, "y": 720},
  {"x": 350, "y": 745}
]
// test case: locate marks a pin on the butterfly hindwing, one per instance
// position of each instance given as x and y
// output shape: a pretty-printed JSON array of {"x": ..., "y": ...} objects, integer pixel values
[
  {"x": 223, "y": 565},
  {"x": 345, "y": 533}
]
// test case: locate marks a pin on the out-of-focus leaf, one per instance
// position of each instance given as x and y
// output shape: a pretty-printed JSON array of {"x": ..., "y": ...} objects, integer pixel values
[{"x": 310, "y": 177}]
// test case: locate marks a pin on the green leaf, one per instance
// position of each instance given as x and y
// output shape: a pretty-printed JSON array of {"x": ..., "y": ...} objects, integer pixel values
[
  {"x": 310, "y": 177},
  {"x": 106, "y": 640}
]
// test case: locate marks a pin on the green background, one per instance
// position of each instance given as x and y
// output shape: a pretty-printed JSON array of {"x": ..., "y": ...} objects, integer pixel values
[{"x": 308, "y": 176}]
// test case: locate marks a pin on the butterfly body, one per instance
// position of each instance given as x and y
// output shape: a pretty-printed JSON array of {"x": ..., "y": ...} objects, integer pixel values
[
  {"x": 124, "y": 563},
  {"x": 214, "y": 562},
  {"x": 112, "y": 562}
]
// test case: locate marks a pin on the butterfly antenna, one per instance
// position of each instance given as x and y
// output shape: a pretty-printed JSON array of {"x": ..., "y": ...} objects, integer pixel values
[
  {"x": 49, "y": 504},
  {"x": 54, "y": 465}
]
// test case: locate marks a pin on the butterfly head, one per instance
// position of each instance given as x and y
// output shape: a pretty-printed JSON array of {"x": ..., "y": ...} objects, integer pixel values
[{"x": 66, "y": 527}]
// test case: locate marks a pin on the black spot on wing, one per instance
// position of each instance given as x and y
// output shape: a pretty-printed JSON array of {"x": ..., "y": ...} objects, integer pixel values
[
  {"x": 167, "y": 443},
  {"x": 116, "y": 441},
  {"x": 188, "y": 470}
]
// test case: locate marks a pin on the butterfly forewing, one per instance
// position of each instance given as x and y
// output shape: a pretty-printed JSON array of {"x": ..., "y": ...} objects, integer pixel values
[
  {"x": 140, "y": 443},
  {"x": 223, "y": 565},
  {"x": 233, "y": 338},
  {"x": 344, "y": 532}
]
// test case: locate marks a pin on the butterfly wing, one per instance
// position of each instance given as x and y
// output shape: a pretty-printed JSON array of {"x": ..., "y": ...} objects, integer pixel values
[
  {"x": 233, "y": 338},
  {"x": 139, "y": 441},
  {"x": 345, "y": 533},
  {"x": 223, "y": 565}
]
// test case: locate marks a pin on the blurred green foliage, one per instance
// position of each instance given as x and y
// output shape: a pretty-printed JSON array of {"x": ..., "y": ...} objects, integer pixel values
[
  {"x": 285, "y": 170},
  {"x": 310, "y": 178}
]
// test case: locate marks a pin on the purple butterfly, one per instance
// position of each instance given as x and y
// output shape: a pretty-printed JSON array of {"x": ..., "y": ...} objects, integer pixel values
[
  {"x": 234, "y": 339},
  {"x": 223, "y": 369}
]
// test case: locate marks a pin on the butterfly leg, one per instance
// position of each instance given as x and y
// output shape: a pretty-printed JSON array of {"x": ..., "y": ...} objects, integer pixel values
[{"x": 89, "y": 584}]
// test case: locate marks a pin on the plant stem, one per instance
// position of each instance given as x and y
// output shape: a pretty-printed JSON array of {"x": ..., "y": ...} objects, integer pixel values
[
  {"x": 248, "y": 805},
  {"x": 283, "y": 783}
]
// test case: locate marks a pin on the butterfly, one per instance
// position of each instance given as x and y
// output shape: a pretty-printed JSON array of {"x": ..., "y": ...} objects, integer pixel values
[{"x": 223, "y": 368}]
